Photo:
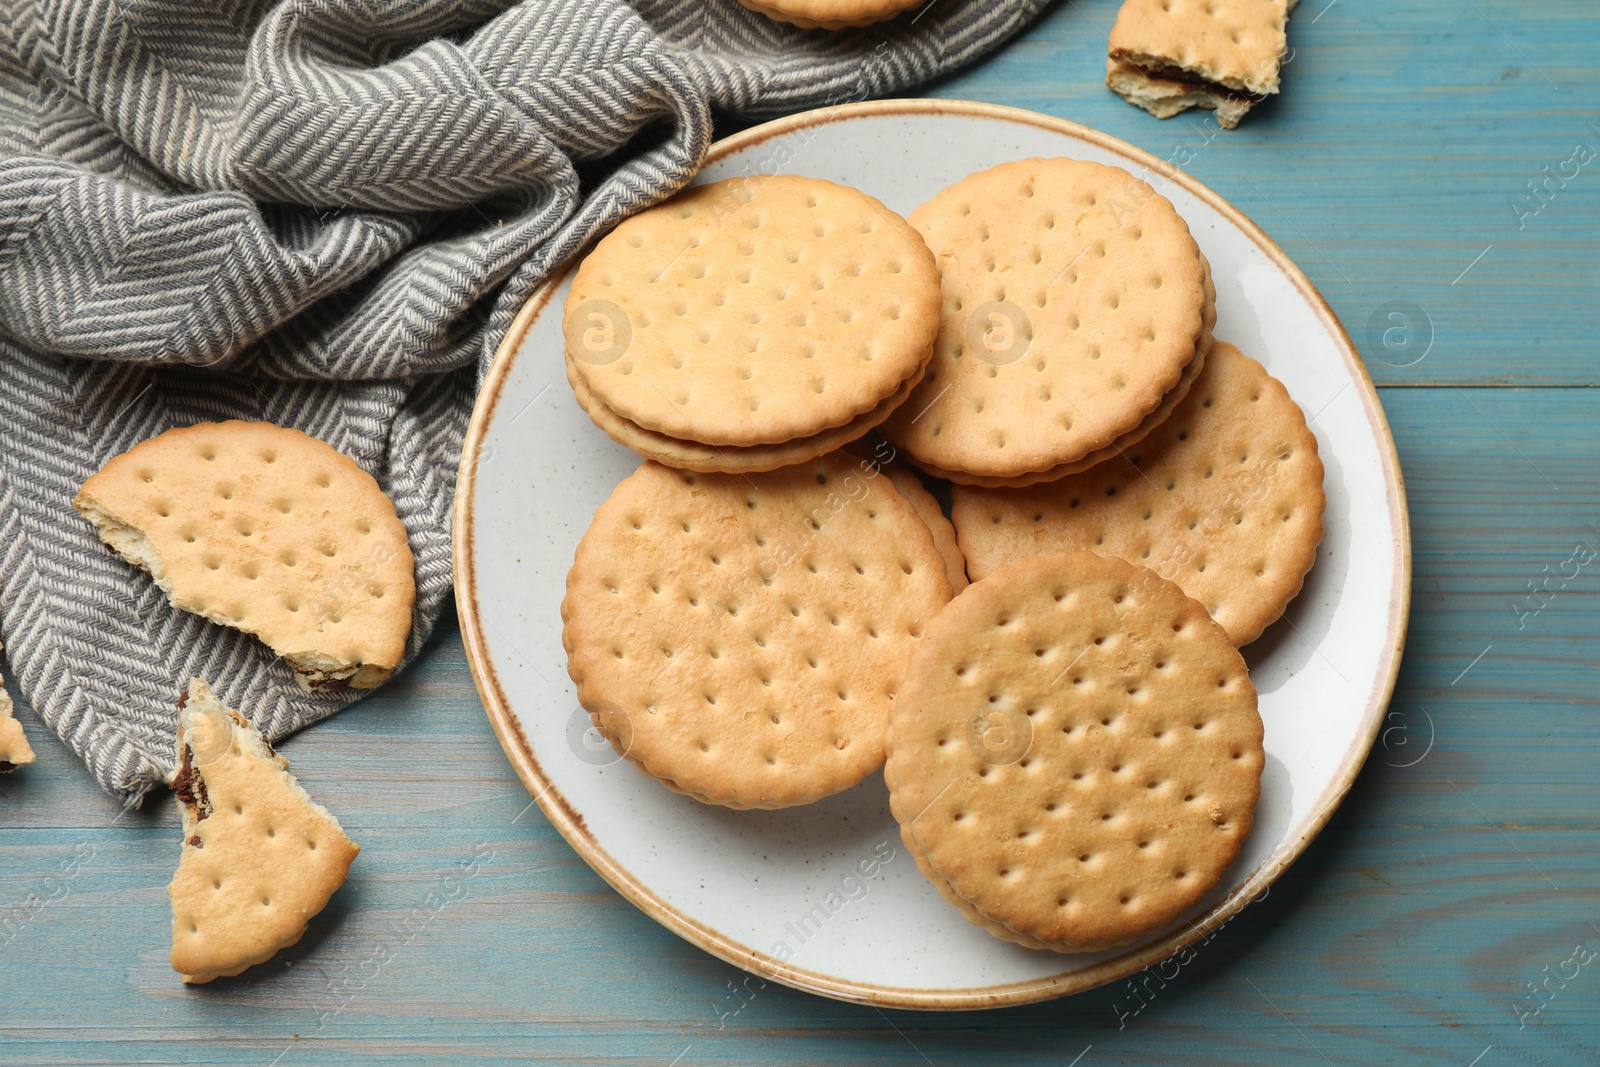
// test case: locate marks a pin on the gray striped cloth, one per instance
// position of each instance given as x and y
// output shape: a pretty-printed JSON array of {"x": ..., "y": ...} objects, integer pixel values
[{"x": 323, "y": 215}]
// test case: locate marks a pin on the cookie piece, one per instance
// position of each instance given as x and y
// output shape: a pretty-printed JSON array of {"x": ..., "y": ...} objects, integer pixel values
[
  {"x": 272, "y": 532},
  {"x": 1225, "y": 498},
  {"x": 1119, "y": 447},
  {"x": 728, "y": 459},
  {"x": 830, "y": 14},
  {"x": 753, "y": 311},
  {"x": 1074, "y": 299},
  {"x": 14, "y": 747},
  {"x": 1076, "y": 750},
  {"x": 259, "y": 858},
  {"x": 1169, "y": 55},
  {"x": 740, "y": 637}
]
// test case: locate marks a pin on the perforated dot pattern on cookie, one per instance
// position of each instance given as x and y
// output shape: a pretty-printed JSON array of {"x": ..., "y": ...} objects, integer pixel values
[
  {"x": 927, "y": 506},
  {"x": 1128, "y": 741},
  {"x": 268, "y": 530},
  {"x": 875, "y": 453},
  {"x": 1074, "y": 297},
  {"x": 1121, "y": 445},
  {"x": 758, "y": 310},
  {"x": 741, "y": 637},
  {"x": 259, "y": 859},
  {"x": 1225, "y": 498}
]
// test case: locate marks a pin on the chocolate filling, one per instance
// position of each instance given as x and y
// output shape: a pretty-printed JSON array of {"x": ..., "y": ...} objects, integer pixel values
[
  {"x": 190, "y": 787},
  {"x": 6, "y": 765},
  {"x": 1192, "y": 81},
  {"x": 327, "y": 683}
]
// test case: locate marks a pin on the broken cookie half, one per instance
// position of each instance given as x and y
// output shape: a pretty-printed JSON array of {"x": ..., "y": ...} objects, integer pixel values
[
  {"x": 1169, "y": 55},
  {"x": 272, "y": 532},
  {"x": 260, "y": 857},
  {"x": 14, "y": 747}
]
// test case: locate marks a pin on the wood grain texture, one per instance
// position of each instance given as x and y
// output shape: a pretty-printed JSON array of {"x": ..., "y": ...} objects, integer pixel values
[
  {"x": 1403, "y": 133},
  {"x": 1464, "y": 865}
]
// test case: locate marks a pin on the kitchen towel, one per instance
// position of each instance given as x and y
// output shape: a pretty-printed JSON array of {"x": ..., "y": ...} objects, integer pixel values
[{"x": 323, "y": 215}]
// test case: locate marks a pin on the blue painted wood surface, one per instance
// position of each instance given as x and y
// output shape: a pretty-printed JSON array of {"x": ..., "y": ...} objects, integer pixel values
[{"x": 1445, "y": 916}]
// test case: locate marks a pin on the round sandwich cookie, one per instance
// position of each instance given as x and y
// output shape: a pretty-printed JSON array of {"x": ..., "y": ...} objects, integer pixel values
[
  {"x": 753, "y": 311},
  {"x": 1075, "y": 752},
  {"x": 1225, "y": 498},
  {"x": 740, "y": 637},
  {"x": 1074, "y": 299},
  {"x": 831, "y": 14},
  {"x": 269, "y": 531}
]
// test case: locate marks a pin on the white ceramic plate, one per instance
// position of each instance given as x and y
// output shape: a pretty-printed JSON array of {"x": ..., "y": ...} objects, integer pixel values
[{"x": 824, "y": 897}]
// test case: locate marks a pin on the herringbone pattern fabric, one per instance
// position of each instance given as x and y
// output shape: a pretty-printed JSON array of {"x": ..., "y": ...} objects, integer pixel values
[{"x": 322, "y": 214}]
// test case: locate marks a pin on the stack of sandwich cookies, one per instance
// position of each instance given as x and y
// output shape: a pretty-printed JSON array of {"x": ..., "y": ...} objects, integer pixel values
[
  {"x": 726, "y": 459},
  {"x": 740, "y": 637},
  {"x": 1075, "y": 304},
  {"x": 270, "y": 531},
  {"x": 751, "y": 323},
  {"x": 1225, "y": 498},
  {"x": 1075, "y": 754},
  {"x": 1169, "y": 55}
]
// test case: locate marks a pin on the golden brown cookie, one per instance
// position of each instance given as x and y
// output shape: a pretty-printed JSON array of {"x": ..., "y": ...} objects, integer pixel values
[
  {"x": 14, "y": 747},
  {"x": 272, "y": 532},
  {"x": 1076, "y": 751},
  {"x": 1169, "y": 55},
  {"x": 728, "y": 459},
  {"x": 831, "y": 14},
  {"x": 740, "y": 637},
  {"x": 259, "y": 858},
  {"x": 1074, "y": 299},
  {"x": 753, "y": 311},
  {"x": 1225, "y": 498}
]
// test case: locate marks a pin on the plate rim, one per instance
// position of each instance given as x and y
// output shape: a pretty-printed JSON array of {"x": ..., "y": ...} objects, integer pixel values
[{"x": 570, "y": 823}]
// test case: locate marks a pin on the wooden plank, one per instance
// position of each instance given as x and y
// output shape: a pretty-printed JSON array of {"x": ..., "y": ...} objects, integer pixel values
[
  {"x": 470, "y": 931},
  {"x": 1409, "y": 932},
  {"x": 1403, "y": 134}
]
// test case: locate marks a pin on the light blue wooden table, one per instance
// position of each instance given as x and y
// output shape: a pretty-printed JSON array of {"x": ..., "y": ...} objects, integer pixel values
[{"x": 1462, "y": 872}]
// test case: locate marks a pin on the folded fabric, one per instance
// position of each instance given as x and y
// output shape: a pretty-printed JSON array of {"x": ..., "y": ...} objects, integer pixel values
[{"x": 322, "y": 215}]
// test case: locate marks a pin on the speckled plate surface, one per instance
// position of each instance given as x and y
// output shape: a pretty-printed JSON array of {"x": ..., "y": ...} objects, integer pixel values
[{"x": 824, "y": 898}]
